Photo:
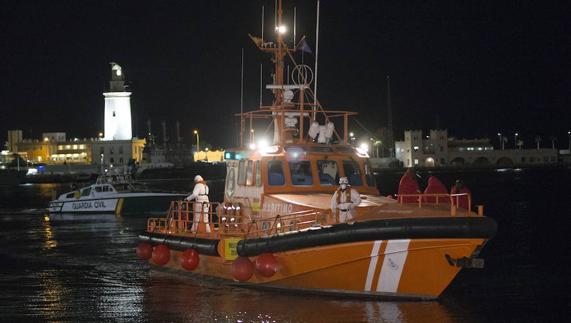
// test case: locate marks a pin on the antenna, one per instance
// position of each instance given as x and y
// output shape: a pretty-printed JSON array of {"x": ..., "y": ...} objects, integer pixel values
[
  {"x": 261, "y": 83},
  {"x": 263, "y": 23},
  {"x": 294, "y": 24},
  {"x": 389, "y": 116},
  {"x": 316, "y": 55},
  {"x": 178, "y": 138},
  {"x": 242, "y": 82},
  {"x": 164, "y": 126}
]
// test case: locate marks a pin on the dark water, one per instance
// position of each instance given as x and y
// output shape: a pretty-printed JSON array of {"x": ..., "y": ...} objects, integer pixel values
[{"x": 86, "y": 270}]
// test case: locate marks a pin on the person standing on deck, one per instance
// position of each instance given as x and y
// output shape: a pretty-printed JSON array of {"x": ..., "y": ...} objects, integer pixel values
[
  {"x": 345, "y": 200},
  {"x": 200, "y": 195}
]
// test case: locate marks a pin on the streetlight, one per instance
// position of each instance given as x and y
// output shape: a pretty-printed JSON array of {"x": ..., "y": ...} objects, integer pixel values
[
  {"x": 197, "y": 140},
  {"x": 569, "y": 135},
  {"x": 515, "y": 140},
  {"x": 501, "y": 141}
]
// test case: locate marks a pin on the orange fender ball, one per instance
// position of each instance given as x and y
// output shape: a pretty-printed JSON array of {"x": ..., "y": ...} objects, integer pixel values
[
  {"x": 189, "y": 259},
  {"x": 144, "y": 251},
  {"x": 161, "y": 255},
  {"x": 266, "y": 264},
  {"x": 242, "y": 269}
]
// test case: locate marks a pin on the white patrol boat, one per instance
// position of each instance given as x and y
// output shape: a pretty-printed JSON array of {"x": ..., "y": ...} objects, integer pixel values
[{"x": 112, "y": 194}]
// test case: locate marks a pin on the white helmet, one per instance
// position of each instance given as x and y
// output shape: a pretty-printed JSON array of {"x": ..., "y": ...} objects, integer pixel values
[
  {"x": 343, "y": 180},
  {"x": 198, "y": 178}
]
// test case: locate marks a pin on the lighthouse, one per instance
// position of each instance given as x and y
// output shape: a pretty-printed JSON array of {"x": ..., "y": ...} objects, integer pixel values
[{"x": 117, "y": 107}]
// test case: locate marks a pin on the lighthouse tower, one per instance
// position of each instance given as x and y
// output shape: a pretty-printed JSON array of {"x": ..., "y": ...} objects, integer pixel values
[{"x": 117, "y": 107}]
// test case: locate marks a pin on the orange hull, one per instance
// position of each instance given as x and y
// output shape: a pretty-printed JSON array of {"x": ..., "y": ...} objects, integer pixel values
[{"x": 416, "y": 268}]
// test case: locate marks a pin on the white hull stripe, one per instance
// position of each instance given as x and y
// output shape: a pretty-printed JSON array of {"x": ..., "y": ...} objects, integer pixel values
[
  {"x": 373, "y": 264},
  {"x": 393, "y": 264}
]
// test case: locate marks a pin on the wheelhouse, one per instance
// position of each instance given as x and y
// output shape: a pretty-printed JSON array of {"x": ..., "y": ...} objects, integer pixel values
[{"x": 297, "y": 169}]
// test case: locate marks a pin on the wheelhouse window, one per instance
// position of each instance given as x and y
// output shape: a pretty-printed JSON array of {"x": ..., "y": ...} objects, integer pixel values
[
  {"x": 275, "y": 173},
  {"x": 369, "y": 176},
  {"x": 242, "y": 172},
  {"x": 328, "y": 172},
  {"x": 98, "y": 189},
  {"x": 258, "y": 174},
  {"x": 250, "y": 172},
  {"x": 86, "y": 191},
  {"x": 300, "y": 172},
  {"x": 352, "y": 172}
]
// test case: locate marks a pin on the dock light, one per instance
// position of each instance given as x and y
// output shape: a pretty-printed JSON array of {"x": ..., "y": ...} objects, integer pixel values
[
  {"x": 351, "y": 134},
  {"x": 364, "y": 147},
  {"x": 281, "y": 29},
  {"x": 252, "y": 146}
]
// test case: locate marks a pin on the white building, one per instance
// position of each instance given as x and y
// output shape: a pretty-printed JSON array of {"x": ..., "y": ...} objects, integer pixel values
[
  {"x": 117, "y": 147},
  {"x": 437, "y": 149},
  {"x": 117, "y": 107},
  {"x": 429, "y": 151}
]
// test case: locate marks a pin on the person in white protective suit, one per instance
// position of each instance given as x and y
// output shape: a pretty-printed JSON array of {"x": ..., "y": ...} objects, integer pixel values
[
  {"x": 345, "y": 200},
  {"x": 200, "y": 195}
]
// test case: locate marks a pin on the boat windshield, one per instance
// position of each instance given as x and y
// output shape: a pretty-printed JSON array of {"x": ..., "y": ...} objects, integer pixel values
[
  {"x": 328, "y": 172},
  {"x": 352, "y": 172},
  {"x": 300, "y": 172},
  {"x": 86, "y": 191},
  {"x": 275, "y": 173}
]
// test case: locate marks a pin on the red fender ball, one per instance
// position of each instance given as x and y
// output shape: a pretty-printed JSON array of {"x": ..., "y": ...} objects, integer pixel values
[
  {"x": 161, "y": 255},
  {"x": 266, "y": 264},
  {"x": 242, "y": 269},
  {"x": 144, "y": 251},
  {"x": 189, "y": 259}
]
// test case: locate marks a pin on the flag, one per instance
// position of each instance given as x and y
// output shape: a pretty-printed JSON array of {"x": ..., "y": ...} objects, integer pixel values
[
  {"x": 304, "y": 46},
  {"x": 257, "y": 40}
]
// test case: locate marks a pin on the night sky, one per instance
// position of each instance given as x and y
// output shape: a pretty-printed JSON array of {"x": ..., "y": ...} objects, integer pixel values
[{"x": 473, "y": 67}]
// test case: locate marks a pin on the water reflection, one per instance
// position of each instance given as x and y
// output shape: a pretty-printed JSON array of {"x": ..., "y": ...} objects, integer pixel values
[
  {"x": 51, "y": 296},
  {"x": 47, "y": 234},
  {"x": 188, "y": 298}
]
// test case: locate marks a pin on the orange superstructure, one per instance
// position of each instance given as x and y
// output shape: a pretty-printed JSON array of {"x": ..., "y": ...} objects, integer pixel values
[{"x": 276, "y": 229}]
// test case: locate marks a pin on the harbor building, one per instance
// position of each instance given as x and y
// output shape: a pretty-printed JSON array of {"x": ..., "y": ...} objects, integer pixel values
[{"x": 439, "y": 150}]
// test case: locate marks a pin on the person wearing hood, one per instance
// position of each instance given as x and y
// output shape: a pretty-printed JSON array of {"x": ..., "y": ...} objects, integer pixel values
[
  {"x": 345, "y": 200},
  {"x": 201, "y": 206}
]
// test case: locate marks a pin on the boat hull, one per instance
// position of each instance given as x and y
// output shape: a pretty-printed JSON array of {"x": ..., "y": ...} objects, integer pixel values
[
  {"x": 406, "y": 269},
  {"x": 146, "y": 204},
  {"x": 414, "y": 259}
]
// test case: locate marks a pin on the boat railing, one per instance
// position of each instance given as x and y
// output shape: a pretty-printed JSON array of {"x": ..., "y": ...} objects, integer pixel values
[
  {"x": 180, "y": 218},
  {"x": 455, "y": 201},
  {"x": 227, "y": 219},
  {"x": 288, "y": 222}
]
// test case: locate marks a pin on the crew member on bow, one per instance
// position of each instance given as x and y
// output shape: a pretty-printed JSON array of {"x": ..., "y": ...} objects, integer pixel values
[
  {"x": 345, "y": 200},
  {"x": 200, "y": 195}
]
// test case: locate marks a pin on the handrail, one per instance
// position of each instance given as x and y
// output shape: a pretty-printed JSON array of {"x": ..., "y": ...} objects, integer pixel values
[
  {"x": 225, "y": 219},
  {"x": 180, "y": 218},
  {"x": 453, "y": 199}
]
